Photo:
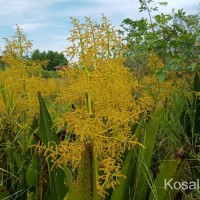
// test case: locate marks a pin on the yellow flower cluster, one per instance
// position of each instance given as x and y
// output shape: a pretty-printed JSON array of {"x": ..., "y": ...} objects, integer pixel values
[
  {"x": 154, "y": 62},
  {"x": 197, "y": 93},
  {"x": 19, "y": 87},
  {"x": 102, "y": 91},
  {"x": 113, "y": 110},
  {"x": 161, "y": 91},
  {"x": 90, "y": 41},
  {"x": 19, "y": 45},
  {"x": 99, "y": 94}
]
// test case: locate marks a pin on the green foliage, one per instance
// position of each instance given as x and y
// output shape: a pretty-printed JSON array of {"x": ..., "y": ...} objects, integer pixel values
[
  {"x": 140, "y": 183},
  {"x": 166, "y": 34},
  {"x": 196, "y": 111},
  {"x": 172, "y": 167},
  {"x": 32, "y": 178},
  {"x": 2, "y": 64},
  {"x": 145, "y": 155},
  {"x": 56, "y": 176},
  {"x": 150, "y": 6},
  {"x": 126, "y": 188},
  {"x": 46, "y": 133},
  {"x": 4, "y": 194},
  {"x": 49, "y": 74},
  {"x": 26, "y": 174},
  {"x": 54, "y": 58},
  {"x": 190, "y": 120}
]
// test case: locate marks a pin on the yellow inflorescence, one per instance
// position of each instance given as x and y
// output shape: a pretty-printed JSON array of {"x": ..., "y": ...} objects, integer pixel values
[
  {"x": 102, "y": 90},
  {"x": 19, "y": 88},
  {"x": 161, "y": 91},
  {"x": 154, "y": 62}
]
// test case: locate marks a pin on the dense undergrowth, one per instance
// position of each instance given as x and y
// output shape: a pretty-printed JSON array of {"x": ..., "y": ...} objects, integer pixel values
[{"x": 119, "y": 120}]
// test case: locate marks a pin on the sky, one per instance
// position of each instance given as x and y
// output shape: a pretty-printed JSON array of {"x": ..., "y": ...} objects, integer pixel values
[{"x": 47, "y": 24}]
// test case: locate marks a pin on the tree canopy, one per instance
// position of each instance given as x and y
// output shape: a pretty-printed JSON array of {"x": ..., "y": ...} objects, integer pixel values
[
  {"x": 53, "y": 57},
  {"x": 174, "y": 37}
]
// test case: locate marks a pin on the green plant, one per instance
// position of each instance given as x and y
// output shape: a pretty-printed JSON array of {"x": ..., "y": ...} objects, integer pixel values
[
  {"x": 140, "y": 183},
  {"x": 167, "y": 35},
  {"x": 190, "y": 120}
]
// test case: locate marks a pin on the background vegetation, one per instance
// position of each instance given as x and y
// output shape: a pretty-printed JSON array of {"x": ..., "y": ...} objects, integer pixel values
[{"x": 112, "y": 125}]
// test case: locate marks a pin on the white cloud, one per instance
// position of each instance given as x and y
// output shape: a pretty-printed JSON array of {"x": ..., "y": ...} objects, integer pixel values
[
  {"x": 56, "y": 42},
  {"x": 17, "y": 7},
  {"x": 30, "y": 26},
  {"x": 55, "y": 45},
  {"x": 49, "y": 26},
  {"x": 113, "y": 10},
  {"x": 117, "y": 10}
]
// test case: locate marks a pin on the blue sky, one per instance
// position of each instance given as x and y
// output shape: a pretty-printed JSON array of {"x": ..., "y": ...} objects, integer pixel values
[{"x": 47, "y": 23}]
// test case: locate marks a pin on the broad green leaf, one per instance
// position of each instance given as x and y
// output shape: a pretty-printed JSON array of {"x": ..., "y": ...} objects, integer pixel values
[
  {"x": 46, "y": 133},
  {"x": 161, "y": 76},
  {"x": 4, "y": 194},
  {"x": 194, "y": 66},
  {"x": 56, "y": 176},
  {"x": 57, "y": 187},
  {"x": 33, "y": 171},
  {"x": 170, "y": 169},
  {"x": 151, "y": 131},
  {"x": 196, "y": 107},
  {"x": 124, "y": 190},
  {"x": 145, "y": 156}
]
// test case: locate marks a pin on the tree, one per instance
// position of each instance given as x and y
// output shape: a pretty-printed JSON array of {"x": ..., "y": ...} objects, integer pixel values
[
  {"x": 53, "y": 58},
  {"x": 174, "y": 37}
]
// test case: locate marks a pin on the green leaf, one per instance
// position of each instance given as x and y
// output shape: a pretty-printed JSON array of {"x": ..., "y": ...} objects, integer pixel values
[
  {"x": 33, "y": 171},
  {"x": 196, "y": 106},
  {"x": 151, "y": 131},
  {"x": 4, "y": 194},
  {"x": 161, "y": 76},
  {"x": 193, "y": 66},
  {"x": 145, "y": 156},
  {"x": 57, "y": 188},
  {"x": 46, "y": 133},
  {"x": 170, "y": 169},
  {"x": 125, "y": 190},
  {"x": 126, "y": 184},
  {"x": 33, "y": 130},
  {"x": 56, "y": 176}
]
